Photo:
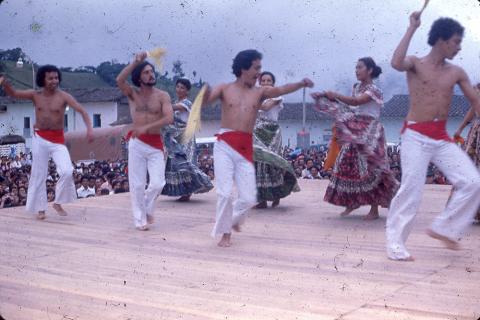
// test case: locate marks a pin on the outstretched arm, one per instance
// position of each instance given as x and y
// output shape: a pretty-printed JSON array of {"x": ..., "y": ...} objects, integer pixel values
[
  {"x": 80, "y": 109},
  {"x": 400, "y": 61},
  {"x": 273, "y": 92},
  {"x": 123, "y": 75},
  {"x": 12, "y": 92},
  {"x": 351, "y": 101},
  {"x": 270, "y": 103}
]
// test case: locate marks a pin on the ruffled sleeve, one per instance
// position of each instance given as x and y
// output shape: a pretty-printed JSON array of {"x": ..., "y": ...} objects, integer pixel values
[{"x": 375, "y": 93}]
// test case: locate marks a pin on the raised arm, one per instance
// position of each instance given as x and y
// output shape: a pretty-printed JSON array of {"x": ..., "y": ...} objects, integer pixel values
[
  {"x": 12, "y": 92},
  {"x": 72, "y": 102},
  {"x": 273, "y": 92},
  {"x": 123, "y": 75},
  {"x": 400, "y": 61}
]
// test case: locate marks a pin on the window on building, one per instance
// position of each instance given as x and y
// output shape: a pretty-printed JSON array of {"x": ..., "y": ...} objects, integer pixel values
[
  {"x": 26, "y": 127},
  {"x": 97, "y": 121},
  {"x": 65, "y": 122}
]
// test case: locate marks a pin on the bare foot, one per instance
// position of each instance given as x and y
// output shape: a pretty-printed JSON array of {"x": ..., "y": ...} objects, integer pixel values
[
  {"x": 275, "y": 203},
  {"x": 142, "y": 228},
  {"x": 236, "y": 227},
  {"x": 373, "y": 214},
  {"x": 346, "y": 212},
  {"x": 407, "y": 259},
  {"x": 449, "y": 243},
  {"x": 150, "y": 219},
  {"x": 261, "y": 205},
  {"x": 41, "y": 215},
  {"x": 184, "y": 198},
  {"x": 59, "y": 209},
  {"x": 225, "y": 241}
]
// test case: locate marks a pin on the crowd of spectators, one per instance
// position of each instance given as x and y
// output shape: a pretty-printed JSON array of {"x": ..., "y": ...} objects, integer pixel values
[
  {"x": 91, "y": 179},
  {"x": 98, "y": 178}
]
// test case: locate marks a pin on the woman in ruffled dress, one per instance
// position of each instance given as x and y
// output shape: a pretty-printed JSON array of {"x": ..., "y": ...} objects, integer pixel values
[
  {"x": 274, "y": 175},
  {"x": 361, "y": 174},
  {"x": 183, "y": 177},
  {"x": 472, "y": 144}
]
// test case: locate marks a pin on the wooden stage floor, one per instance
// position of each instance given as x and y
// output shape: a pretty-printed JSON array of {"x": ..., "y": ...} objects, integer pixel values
[{"x": 299, "y": 261}]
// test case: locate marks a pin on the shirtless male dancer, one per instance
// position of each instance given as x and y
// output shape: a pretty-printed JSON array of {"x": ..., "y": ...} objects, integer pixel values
[
  {"x": 48, "y": 139},
  {"x": 233, "y": 152},
  {"x": 151, "y": 109},
  {"x": 424, "y": 138}
]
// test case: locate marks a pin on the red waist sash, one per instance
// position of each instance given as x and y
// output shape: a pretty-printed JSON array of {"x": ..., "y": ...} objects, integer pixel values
[
  {"x": 153, "y": 140},
  {"x": 435, "y": 130},
  {"x": 55, "y": 136},
  {"x": 242, "y": 142}
]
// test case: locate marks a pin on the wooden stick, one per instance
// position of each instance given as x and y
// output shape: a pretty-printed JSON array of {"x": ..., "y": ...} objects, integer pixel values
[{"x": 424, "y": 6}]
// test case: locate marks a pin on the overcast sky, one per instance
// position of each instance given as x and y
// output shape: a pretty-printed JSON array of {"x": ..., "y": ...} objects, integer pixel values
[{"x": 316, "y": 38}]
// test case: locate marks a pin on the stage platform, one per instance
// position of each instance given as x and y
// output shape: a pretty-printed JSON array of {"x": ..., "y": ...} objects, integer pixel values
[{"x": 298, "y": 261}]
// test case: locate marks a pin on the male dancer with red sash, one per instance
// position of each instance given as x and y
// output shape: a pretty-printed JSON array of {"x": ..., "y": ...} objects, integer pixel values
[
  {"x": 48, "y": 140},
  {"x": 151, "y": 109},
  {"x": 424, "y": 139},
  {"x": 233, "y": 152}
]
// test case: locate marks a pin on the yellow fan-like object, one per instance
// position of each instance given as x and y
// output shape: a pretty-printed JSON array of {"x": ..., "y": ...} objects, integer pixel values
[
  {"x": 193, "y": 123},
  {"x": 157, "y": 55}
]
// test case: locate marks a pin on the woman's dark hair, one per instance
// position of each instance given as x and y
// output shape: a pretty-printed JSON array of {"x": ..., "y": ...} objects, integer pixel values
[
  {"x": 444, "y": 28},
  {"x": 269, "y": 74},
  {"x": 371, "y": 65},
  {"x": 243, "y": 61},
  {"x": 138, "y": 71},
  {"x": 185, "y": 82},
  {"x": 42, "y": 71}
]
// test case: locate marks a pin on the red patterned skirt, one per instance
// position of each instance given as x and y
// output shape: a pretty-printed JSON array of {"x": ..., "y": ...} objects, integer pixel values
[{"x": 361, "y": 174}]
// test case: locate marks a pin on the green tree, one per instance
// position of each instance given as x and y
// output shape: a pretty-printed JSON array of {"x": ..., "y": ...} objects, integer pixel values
[
  {"x": 177, "y": 70},
  {"x": 11, "y": 54},
  {"x": 108, "y": 71}
]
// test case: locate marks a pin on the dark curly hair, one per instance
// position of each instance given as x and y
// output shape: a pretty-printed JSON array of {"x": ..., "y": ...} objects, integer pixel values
[
  {"x": 42, "y": 71},
  {"x": 243, "y": 61},
  {"x": 185, "y": 82},
  {"x": 138, "y": 71},
  {"x": 444, "y": 28}
]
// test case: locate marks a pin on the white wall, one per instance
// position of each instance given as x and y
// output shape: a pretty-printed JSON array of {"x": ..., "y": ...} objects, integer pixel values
[
  {"x": 107, "y": 111},
  {"x": 11, "y": 122}
]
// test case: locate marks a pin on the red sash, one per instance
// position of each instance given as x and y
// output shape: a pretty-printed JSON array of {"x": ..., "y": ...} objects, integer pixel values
[
  {"x": 55, "y": 136},
  {"x": 242, "y": 142},
  {"x": 432, "y": 129},
  {"x": 153, "y": 140}
]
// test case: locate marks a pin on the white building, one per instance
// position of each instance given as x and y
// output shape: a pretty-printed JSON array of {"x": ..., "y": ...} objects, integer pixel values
[{"x": 101, "y": 104}]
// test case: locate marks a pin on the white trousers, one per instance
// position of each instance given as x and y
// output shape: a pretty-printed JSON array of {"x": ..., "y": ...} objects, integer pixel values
[
  {"x": 230, "y": 167},
  {"x": 143, "y": 158},
  {"x": 416, "y": 153},
  {"x": 65, "y": 191}
]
